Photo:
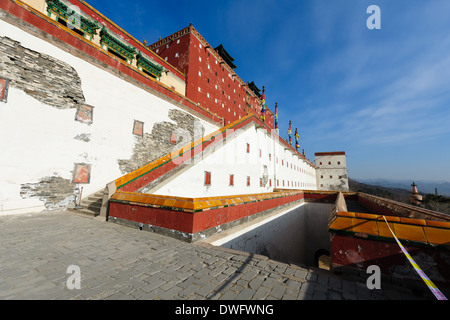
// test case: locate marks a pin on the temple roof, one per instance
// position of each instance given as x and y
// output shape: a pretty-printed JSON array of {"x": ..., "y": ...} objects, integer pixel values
[
  {"x": 255, "y": 89},
  {"x": 225, "y": 56}
]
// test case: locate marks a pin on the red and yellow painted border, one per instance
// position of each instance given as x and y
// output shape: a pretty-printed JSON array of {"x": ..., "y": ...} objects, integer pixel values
[
  {"x": 155, "y": 169},
  {"x": 61, "y": 33},
  {"x": 418, "y": 231}
]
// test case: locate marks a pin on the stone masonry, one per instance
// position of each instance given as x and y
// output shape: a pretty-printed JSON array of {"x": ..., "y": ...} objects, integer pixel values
[
  {"x": 118, "y": 262},
  {"x": 43, "y": 77},
  {"x": 55, "y": 192},
  {"x": 152, "y": 146}
]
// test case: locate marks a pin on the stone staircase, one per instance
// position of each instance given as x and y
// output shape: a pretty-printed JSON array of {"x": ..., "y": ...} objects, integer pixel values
[{"x": 91, "y": 205}]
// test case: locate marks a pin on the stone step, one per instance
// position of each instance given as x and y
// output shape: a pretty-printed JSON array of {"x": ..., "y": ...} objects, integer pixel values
[
  {"x": 91, "y": 205},
  {"x": 92, "y": 198},
  {"x": 97, "y": 195},
  {"x": 86, "y": 211}
]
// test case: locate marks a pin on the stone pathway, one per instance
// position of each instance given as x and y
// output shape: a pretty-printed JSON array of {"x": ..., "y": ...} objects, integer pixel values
[{"x": 118, "y": 262}]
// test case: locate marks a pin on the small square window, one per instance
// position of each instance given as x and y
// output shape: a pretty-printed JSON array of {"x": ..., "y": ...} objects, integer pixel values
[
  {"x": 173, "y": 138},
  {"x": 84, "y": 112},
  {"x": 339, "y": 163},
  {"x": 82, "y": 173},
  {"x": 138, "y": 128},
  {"x": 207, "y": 178},
  {"x": 331, "y": 177},
  {"x": 329, "y": 163}
]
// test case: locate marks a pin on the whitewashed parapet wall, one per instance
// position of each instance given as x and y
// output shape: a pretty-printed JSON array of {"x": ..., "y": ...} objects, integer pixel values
[
  {"x": 257, "y": 161},
  {"x": 332, "y": 174},
  {"x": 42, "y": 142}
]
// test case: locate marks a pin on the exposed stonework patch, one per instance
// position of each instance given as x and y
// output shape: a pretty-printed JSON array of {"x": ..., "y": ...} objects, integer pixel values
[
  {"x": 56, "y": 193},
  {"x": 341, "y": 186},
  {"x": 187, "y": 122},
  {"x": 86, "y": 137},
  {"x": 43, "y": 77},
  {"x": 152, "y": 146},
  {"x": 265, "y": 176}
]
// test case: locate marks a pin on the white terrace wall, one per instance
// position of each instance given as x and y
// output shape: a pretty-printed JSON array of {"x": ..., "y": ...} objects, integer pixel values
[
  {"x": 293, "y": 235},
  {"x": 256, "y": 159},
  {"x": 42, "y": 143},
  {"x": 332, "y": 172}
]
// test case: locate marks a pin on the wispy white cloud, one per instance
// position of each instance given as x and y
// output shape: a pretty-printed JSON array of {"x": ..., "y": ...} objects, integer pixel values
[{"x": 393, "y": 90}]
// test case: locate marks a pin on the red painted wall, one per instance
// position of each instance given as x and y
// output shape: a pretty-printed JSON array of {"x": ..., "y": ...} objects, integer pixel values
[
  {"x": 220, "y": 92},
  {"x": 53, "y": 29},
  {"x": 189, "y": 222},
  {"x": 358, "y": 253}
]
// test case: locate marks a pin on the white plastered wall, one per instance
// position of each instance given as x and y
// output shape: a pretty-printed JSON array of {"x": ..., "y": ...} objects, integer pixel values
[
  {"x": 231, "y": 158},
  {"x": 332, "y": 172},
  {"x": 38, "y": 140},
  {"x": 292, "y": 235}
]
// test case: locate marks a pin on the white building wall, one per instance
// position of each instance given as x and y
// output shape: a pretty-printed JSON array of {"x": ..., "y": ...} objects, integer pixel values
[
  {"x": 232, "y": 158},
  {"x": 331, "y": 172},
  {"x": 38, "y": 140},
  {"x": 292, "y": 235}
]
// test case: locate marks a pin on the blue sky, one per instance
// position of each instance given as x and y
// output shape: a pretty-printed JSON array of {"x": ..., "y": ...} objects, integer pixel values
[{"x": 383, "y": 96}]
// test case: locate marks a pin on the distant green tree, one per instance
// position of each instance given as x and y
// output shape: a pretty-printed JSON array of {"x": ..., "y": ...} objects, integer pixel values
[{"x": 437, "y": 203}]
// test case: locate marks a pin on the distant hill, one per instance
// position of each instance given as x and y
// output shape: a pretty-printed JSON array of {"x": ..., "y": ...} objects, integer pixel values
[
  {"x": 431, "y": 201},
  {"x": 424, "y": 186},
  {"x": 397, "y": 194}
]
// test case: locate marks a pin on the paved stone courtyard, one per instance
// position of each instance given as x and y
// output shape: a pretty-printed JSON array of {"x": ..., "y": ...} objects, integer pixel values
[{"x": 118, "y": 262}]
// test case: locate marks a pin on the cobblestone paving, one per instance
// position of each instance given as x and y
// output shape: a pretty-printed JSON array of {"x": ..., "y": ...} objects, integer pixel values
[{"x": 119, "y": 262}]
